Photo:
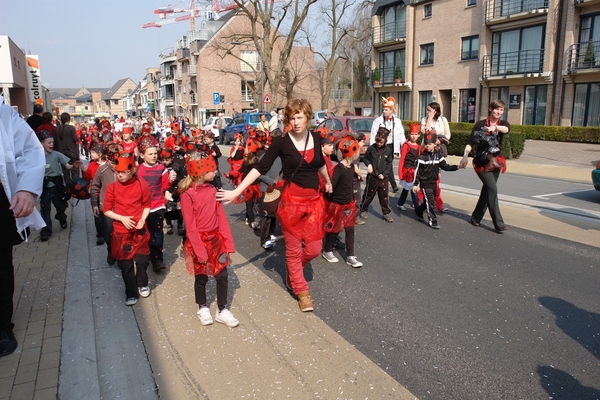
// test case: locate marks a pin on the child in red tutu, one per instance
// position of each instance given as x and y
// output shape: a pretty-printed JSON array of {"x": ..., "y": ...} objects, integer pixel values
[
  {"x": 341, "y": 208},
  {"x": 236, "y": 160},
  {"x": 407, "y": 165},
  {"x": 252, "y": 194},
  {"x": 208, "y": 236}
]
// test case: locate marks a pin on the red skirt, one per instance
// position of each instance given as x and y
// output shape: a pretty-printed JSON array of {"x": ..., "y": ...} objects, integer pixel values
[
  {"x": 235, "y": 172},
  {"x": 340, "y": 216},
  {"x": 125, "y": 246},
  {"x": 501, "y": 161},
  {"x": 252, "y": 192},
  {"x": 218, "y": 257},
  {"x": 302, "y": 216}
]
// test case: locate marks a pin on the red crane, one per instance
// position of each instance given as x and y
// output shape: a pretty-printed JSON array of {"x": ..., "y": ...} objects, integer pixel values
[{"x": 192, "y": 12}]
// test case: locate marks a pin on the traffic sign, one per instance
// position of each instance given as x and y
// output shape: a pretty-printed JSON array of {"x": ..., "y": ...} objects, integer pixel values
[
  {"x": 216, "y": 98},
  {"x": 184, "y": 105},
  {"x": 267, "y": 99}
]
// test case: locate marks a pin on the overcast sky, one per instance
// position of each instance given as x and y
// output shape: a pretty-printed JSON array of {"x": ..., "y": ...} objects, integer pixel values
[{"x": 89, "y": 43}]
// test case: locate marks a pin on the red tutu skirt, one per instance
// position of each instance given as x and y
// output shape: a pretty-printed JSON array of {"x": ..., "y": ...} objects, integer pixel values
[
  {"x": 218, "y": 257},
  {"x": 252, "y": 192},
  {"x": 235, "y": 172},
  {"x": 340, "y": 216},
  {"x": 125, "y": 246},
  {"x": 302, "y": 216}
]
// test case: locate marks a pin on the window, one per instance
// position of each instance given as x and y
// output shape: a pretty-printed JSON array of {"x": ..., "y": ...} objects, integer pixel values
[
  {"x": 518, "y": 51},
  {"x": 535, "y": 105},
  {"x": 249, "y": 61},
  {"x": 470, "y": 48},
  {"x": 427, "y": 10},
  {"x": 425, "y": 97},
  {"x": 387, "y": 64},
  {"x": 247, "y": 91},
  {"x": 427, "y": 54},
  {"x": 403, "y": 110},
  {"x": 393, "y": 22},
  {"x": 115, "y": 102},
  {"x": 471, "y": 3},
  {"x": 586, "y": 105}
]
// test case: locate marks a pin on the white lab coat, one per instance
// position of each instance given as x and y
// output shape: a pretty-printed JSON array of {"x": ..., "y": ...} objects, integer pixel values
[{"x": 397, "y": 136}]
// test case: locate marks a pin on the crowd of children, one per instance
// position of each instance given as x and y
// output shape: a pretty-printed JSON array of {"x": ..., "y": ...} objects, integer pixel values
[{"x": 136, "y": 185}]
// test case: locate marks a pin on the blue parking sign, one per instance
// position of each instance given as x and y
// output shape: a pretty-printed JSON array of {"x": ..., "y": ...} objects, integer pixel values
[{"x": 216, "y": 98}]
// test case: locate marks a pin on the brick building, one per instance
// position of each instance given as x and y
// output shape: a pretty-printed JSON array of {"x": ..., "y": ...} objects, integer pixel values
[{"x": 542, "y": 57}]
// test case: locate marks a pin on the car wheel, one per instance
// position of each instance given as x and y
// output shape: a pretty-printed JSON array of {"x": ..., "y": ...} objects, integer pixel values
[{"x": 225, "y": 138}]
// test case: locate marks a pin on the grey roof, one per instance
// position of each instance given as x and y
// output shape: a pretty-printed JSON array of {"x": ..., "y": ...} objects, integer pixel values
[
  {"x": 66, "y": 93},
  {"x": 109, "y": 93},
  {"x": 381, "y": 4}
]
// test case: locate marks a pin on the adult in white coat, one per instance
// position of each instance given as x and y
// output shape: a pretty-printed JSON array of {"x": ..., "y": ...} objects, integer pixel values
[
  {"x": 396, "y": 138},
  {"x": 22, "y": 164}
]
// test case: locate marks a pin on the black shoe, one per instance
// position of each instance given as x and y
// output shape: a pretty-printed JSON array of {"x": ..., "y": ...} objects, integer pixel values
[
  {"x": 159, "y": 266},
  {"x": 339, "y": 244},
  {"x": 180, "y": 231},
  {"x": 8, "y": 343},
  {"x": 387, "y": 218},
  {"x": 63, "y": 224},
  {"x": 396, "y": 189},
  {"x": 99, "y": 241},
  {"x": 44, "y": 238},
  {"x": 170, "y": 231},
  {"x": 420, "y": 217},
  {"x": 434, "y": 225},
  {"x": 110, "y": 260}
]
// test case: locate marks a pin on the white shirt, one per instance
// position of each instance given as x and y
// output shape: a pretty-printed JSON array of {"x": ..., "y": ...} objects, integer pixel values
[{"x": 396, "y": 128}]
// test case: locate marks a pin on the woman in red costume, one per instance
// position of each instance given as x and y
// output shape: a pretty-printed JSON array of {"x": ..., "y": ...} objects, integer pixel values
[{"x": 301, "y": 210}]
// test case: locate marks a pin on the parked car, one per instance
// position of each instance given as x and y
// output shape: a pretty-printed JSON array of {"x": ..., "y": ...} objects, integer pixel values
[
  {"x": 240, "y": 124},
  {"x": 318, "y": 117},
  {"x": 341, "y": 127},
  {"x": 596, "y": 176},
  {"x": 211, "y": 125}
]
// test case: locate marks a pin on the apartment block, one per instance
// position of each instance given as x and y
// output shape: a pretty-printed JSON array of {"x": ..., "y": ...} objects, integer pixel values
[
  {"x": 540, "y": 56},
  {"x": 218, "y": 68}
]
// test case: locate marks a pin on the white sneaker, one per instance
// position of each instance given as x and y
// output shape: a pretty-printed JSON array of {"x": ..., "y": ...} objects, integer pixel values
[
  {"x": 353, "y": 262},
  {"x": 268, "y": 244},
  {"x": 144, "y": 291},
  {"x": 130, "y": 301},
  {"x": 328, "y": 255},
  {"x": 204, "y": 316},
  {"x": 402, "y": 208},
  {"x": 227, "y": 318},
  {"x": 273, "y": 238}
]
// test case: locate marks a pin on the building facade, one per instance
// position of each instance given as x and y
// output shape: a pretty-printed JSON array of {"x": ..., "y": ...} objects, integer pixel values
[{"x": 542, "y": 57}]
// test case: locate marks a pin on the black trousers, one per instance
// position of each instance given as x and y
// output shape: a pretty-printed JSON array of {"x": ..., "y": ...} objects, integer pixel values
[
  {"x": 267, "y": 227},
  {"x": 391, "y": 176},
  {"x": 488, "y": 199},
  {"x": 134, "y": 274},
  {"x": 107, "y": 229},
  {"x": 428, "y": 203},
  {"x": 404, "y": 195},
  {"x": 8, "y": 238},
  {"x": 349, "y": 239},
  {"x": 155, "y": 222},
  {"x": 376, "y": 186},
  {"x": 250, "y": 211},
  {"x": 200, "y": 289},
  {"x": 52, "y": 195}
]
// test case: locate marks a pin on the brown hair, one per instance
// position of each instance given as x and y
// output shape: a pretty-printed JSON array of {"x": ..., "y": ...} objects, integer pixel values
[
  {"x": 496, "y": 104},
  {"x": 64, "y": 119},
  {"x": 297, "y": 106},
  {"x": 436, "y": 107}
]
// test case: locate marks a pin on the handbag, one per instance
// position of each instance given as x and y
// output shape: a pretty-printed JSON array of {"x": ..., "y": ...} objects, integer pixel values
[{"x": 273, "y": 193}]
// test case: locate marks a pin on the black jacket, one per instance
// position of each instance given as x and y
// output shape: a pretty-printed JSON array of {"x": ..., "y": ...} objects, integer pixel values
[
  {"x": 428, "y": 168},
  {"x": 382, "y": 163}
]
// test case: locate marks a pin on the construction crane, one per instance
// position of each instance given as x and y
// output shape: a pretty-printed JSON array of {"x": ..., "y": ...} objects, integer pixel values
[{"x": 192, "y": 12}]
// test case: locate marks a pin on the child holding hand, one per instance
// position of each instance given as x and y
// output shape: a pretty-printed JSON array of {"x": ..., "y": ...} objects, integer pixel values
[{"x": 208, "y": 236}]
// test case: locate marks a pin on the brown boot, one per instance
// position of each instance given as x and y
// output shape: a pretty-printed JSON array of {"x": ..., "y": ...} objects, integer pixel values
[{"x": 304, "y": 301}]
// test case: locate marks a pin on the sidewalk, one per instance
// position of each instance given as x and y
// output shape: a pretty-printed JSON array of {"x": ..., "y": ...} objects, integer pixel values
[{"x": 73, "y": 328}]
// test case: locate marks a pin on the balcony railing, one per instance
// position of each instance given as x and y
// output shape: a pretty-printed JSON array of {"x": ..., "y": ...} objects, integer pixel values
[
  {"x": 394, "y": 31},
  {"x": 583, "y": 56},
  {"x": 193, "y": 99},
  {"x": 192, "y": 69},
  {"x": 387, "y": 75},
  {"x": 515, "y": 62},
  {"x": 340, "y": 94},
  {"x": 507, "y": 8},
  {"x": 179, "y": 75}
]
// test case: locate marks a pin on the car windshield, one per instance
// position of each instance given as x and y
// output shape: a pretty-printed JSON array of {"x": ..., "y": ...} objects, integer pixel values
[
  {"x": 361, "y": 125},
  {"x": 320, "y": 115},
  {"x": 255, "y": 118}
]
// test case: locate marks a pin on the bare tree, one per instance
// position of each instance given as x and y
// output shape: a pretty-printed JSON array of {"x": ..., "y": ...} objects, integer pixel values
[{"x": 333, "y": 16}]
